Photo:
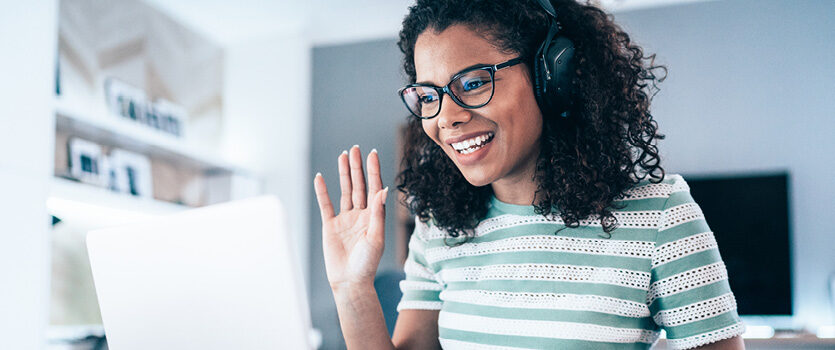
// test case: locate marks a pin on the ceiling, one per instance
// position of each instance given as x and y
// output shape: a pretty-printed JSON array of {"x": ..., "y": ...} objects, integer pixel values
[{"x": 323, "y": 21}]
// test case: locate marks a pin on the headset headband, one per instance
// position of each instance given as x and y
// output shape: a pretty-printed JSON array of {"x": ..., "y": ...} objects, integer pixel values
[{"x": 548, "y": 7}]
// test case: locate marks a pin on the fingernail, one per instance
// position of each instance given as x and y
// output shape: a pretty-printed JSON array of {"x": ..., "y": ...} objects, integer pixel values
[
  {"x": 344, "y": 152},
  {"x": 355, "y": 146},
  {"x": 374, "y": 150},
  {"x": 318, "y": 174},
  {"x": 385, "y": 193}
]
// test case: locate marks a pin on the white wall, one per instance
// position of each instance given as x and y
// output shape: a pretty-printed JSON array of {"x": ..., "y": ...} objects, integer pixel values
[
  {"x": 752, "y": 87},
  {"x": 28, "y": 32},
  {"x": 266, "y": 125}
]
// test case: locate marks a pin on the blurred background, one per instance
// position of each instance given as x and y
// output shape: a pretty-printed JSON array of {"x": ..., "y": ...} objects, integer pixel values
[{"x": 115, "y": 111}]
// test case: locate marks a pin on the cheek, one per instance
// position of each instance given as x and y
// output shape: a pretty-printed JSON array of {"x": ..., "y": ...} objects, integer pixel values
[
  {"x": 533, "y": 127},
  {"x": 431, "y": 129},
  {"x": 520, "y": 113}
]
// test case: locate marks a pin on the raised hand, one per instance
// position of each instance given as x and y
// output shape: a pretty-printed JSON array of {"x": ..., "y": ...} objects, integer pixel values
[{"x": 353, "y": 240}]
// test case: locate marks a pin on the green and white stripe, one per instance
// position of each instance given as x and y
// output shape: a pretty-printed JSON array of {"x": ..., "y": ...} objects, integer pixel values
[{"x": 517, "y": 285}]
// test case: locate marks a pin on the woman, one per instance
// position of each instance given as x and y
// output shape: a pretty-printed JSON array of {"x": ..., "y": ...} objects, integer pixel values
[{"x": 536, "y": 226}]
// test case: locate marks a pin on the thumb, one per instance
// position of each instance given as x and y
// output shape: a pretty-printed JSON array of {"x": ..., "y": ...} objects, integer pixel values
[{"x": 377, "y": 226}]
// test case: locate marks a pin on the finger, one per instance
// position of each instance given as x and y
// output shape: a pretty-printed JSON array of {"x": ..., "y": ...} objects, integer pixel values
[
  {"x": 357, "y": 178},
  {"x": 375, "y": 182},
  {"x": 377, "y": 226},
  {"x": 344, "y": 182},
  {"x": 325, "y": 206}
]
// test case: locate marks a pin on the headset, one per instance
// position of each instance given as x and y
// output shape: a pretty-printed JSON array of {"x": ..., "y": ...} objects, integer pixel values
[{"x": 553, "y": 69}]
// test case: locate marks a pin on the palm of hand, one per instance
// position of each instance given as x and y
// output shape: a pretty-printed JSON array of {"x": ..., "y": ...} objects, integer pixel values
[
  {"x": 351, "y": 247},
  {"x": 353, "y": 240}
]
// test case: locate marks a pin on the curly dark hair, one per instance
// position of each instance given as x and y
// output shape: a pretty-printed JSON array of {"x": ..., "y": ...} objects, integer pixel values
[{"x": 586, "y": 161}]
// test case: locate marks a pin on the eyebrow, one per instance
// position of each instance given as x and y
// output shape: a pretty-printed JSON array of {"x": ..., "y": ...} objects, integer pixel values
[{"x": 477, "y": 65}]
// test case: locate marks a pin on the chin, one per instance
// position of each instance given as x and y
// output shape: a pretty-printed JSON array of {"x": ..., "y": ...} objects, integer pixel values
[{"x": 477, "y": 178}]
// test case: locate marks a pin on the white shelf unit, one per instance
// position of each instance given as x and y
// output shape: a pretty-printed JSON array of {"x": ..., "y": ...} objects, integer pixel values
[
  {"x": 102, "y": 127},
  {"x": 82, "y": 193},
  {"x": 94, "y": 123}
]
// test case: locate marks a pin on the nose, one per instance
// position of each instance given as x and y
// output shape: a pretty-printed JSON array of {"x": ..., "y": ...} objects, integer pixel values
[{"x": 451, "y": 114}]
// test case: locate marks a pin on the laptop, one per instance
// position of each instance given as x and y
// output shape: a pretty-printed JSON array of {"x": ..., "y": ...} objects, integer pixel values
[{"x": 217, "y": 277}]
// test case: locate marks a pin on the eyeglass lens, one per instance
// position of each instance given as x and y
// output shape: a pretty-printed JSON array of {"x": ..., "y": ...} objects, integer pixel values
[{"x": 471, "y": 89}]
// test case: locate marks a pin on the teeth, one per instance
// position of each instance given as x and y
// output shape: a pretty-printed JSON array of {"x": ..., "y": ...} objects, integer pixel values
[{"x": 471, "y": 145}]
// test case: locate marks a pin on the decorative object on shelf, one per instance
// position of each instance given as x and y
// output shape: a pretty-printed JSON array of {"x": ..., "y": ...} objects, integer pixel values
[
  {"x": 167, "y": 116},
  {"x": 132, "y": 173},
  {"x": 131, "y": 103},
  {"x": 125, "y": 100},
  {"x": 57, "y": 75},
  {"x": 85, "y": 161}
]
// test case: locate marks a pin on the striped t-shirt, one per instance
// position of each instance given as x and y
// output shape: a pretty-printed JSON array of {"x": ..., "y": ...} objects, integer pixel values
[{"x": 517, "y": 284}]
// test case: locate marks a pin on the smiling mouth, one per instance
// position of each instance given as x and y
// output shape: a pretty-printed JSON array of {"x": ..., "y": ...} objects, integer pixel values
[{"x": 473, "y": 144}]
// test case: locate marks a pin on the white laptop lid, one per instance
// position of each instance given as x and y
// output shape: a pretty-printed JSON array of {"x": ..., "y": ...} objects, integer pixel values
[{"x": 218, "y": 277}]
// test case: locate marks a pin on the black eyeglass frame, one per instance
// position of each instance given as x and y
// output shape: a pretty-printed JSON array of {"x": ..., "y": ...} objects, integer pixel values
[{"x": 446, "y": 90}]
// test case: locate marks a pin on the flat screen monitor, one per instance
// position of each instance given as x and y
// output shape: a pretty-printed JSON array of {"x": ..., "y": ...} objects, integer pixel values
[{"x": 749, "y": 215}]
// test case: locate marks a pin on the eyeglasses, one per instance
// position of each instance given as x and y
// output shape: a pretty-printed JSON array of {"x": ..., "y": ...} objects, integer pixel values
[{"x": 471, "y": 88}]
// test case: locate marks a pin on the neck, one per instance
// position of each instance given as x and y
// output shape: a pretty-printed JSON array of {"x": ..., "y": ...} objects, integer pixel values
[
  {"x": 519, "y": 188},
  {"x": 519, "y": 193}
]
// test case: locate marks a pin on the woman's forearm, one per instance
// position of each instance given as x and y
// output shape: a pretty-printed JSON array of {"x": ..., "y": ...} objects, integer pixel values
[{"x": 361, "y": 318}]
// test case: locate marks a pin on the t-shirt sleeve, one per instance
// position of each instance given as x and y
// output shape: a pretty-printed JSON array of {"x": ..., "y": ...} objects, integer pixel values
[
  {"x": 421, "y": 290},
  {"x": 689, "y": 296}
]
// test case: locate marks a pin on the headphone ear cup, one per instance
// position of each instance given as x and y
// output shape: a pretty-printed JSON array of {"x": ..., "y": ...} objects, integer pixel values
[
  {"x": 559, "y": 89},
  {"x": 540, "y": 79}
]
